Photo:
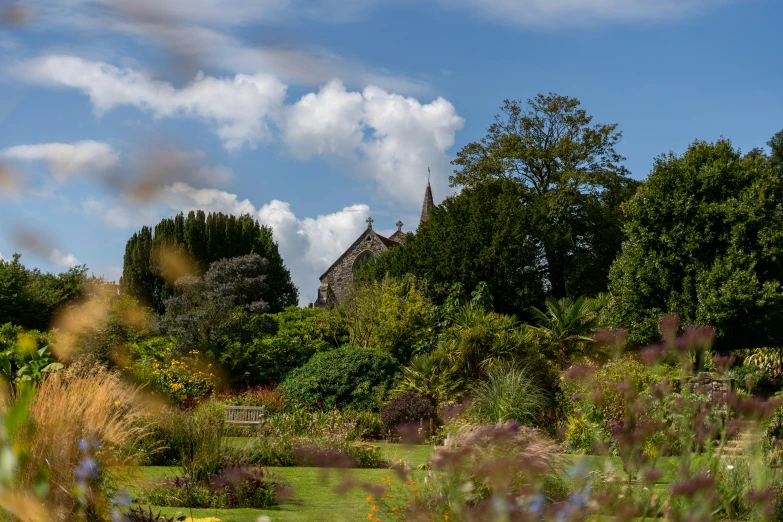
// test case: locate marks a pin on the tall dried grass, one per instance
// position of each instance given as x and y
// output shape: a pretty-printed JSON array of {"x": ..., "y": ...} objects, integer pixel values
[{"x": 81, "y": 404}]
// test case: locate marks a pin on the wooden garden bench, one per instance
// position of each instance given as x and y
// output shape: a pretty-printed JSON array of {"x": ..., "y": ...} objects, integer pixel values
[{"x": 245, "y": 415}]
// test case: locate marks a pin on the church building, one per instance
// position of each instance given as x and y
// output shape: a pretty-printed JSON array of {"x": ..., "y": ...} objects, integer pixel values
[{"x": 337, "y": 280}]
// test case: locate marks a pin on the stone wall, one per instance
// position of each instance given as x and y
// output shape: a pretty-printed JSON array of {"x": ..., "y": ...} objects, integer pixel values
[{"x": 336, "y": 283}]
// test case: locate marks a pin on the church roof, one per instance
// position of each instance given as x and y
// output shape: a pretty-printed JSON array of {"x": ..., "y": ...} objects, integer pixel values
[
  {"x": 388, "y": 243},
  {"x": 428, "y": 204}
]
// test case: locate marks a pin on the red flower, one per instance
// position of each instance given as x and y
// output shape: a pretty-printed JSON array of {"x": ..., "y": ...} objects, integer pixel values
[{"x": 319, "y": 405}]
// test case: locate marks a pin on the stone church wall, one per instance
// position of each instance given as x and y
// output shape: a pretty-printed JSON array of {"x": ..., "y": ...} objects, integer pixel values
[{"x": 340, "y": 277}]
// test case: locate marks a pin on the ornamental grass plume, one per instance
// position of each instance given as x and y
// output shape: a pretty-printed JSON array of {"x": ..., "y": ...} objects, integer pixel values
[{"x": 70, "y": 408}]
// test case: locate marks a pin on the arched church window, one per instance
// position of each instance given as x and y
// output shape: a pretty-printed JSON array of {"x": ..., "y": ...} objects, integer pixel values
[{"x": 362, "y": 259}]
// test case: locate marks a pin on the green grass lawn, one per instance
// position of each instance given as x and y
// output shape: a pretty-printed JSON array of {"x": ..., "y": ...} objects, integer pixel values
[
  {"x": 313, "y": 498},
  {"x": 413, "y": 455}
]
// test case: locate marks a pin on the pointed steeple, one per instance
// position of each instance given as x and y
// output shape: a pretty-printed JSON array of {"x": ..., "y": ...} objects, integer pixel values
[{"x": 428, "y": 204}]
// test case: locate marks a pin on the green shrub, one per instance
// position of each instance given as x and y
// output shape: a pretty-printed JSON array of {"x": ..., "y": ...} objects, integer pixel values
[
  {"x": 345, "y": 378},
  {"x": 618, "y": 381},
  {"x": 367, "y": 425},
  {"x": 366, "y": 455},
  {"x": 509, "y": 393},
  {"x": 408, "y": 411},
  {"x": 581, "y": 435},
  {"x": 753, "y": 378},
  {"x": 182, "y": 378},
  {"x": 772, "y": 440}
]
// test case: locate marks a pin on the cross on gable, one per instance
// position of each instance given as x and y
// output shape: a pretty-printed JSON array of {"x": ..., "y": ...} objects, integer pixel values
[{"x": 369, "y": 222}]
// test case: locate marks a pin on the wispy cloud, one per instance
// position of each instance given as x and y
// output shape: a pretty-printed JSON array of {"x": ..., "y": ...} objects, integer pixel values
[
  {"x": 205, "y": 34},
  {"x": 65, "y": 160},
  {"x": 556, "y": 14}
]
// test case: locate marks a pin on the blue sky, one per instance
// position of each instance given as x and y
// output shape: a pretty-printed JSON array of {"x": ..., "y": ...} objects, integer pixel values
[{"x": 314, "y": 114}]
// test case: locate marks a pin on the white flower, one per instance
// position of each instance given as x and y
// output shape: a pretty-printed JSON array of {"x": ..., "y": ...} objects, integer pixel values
[{"x": 729, "y": 467}]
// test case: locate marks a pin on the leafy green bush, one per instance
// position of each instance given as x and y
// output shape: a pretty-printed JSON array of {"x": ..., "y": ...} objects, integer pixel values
[
  {"x": 301, "y": 333},
  {"x": 25, "y": 355},
  {"x": 182, "y": 378},
  {"x": 345, "y": 378},
  {"x": 408, "y": 411},
  {"x": 755, "y": 379},
  {"x": 581, "y": 435},
  {"x": 509, "y": 393},
  {"x": 618, "y": 381},
  {"x": 772, "y": 440}
]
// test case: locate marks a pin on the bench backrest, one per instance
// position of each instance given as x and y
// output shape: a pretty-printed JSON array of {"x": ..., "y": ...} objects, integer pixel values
[{"x": 244, "y": 414}]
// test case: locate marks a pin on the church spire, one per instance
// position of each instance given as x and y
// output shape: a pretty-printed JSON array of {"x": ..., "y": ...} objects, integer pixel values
[{"x": 428, "y": 204}]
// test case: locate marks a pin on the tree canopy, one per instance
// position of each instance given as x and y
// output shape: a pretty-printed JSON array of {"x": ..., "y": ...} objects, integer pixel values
[
  {"x": 479, "y": 235},
  {"x": 705, "y": 241},
  {"x": 30, "y": 298},
  {"x": 179, "y": 246},
  {"x": 571, "y": 184}
]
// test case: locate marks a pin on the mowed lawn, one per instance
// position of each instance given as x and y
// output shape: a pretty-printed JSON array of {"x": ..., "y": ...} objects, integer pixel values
[
  {"x": 314, "y": 494},
  {"x": 314, "y": 491}
]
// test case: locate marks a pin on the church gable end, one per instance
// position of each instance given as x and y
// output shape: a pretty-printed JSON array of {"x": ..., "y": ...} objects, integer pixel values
[{"x": 337, "y": 280}]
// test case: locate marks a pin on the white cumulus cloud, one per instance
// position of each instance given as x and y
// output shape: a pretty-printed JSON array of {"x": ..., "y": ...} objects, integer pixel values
[
  {"x": 390, "y": 138},
  {"x": 65, "y": 160},
  {"x": 387, "y": 138},
  {"x": 238, "y": 106},
  {"x": 309, "y": 245},
  {"x": 63, "y": 260}
]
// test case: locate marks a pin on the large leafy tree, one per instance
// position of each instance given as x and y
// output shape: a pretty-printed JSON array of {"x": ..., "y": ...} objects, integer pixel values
[
  {"x": 480, "y": 235},
  {"x": 30, "y": 298},
  {"x": 705, "y": 241},
  {"x": 571, "y": 184},
  {"x": 181, "y": 246},
  {"x": 225, "y": 304}
]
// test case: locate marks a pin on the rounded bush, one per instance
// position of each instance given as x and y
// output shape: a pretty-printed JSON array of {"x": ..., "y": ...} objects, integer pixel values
[
  {"x": 345, "y": 378},
  {"x": 408, "y": 410}
]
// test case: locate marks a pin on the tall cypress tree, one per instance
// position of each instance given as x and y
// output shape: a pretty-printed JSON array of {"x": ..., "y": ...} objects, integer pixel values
[{"x": 188, "y": 245}]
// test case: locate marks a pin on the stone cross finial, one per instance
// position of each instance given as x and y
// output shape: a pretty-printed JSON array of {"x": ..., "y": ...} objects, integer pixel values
[
  {"x": 399, "y": 226},
  {"x": 369, "y": 222}
]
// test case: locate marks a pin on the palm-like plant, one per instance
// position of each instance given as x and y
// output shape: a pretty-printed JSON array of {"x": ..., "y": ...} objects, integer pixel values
[
  {"x": 430, "y": 377},
  {"x": 566, "y": 327},
  {"x": 479, "y": 339}
]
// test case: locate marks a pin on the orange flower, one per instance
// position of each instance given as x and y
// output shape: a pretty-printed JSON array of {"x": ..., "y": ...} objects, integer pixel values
[
  {"x": 369, "y": 499},
  {"x": 394, "y": 510},
  {"x": 369, "y": 515},
  {"x": 375, "y": 508}
]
